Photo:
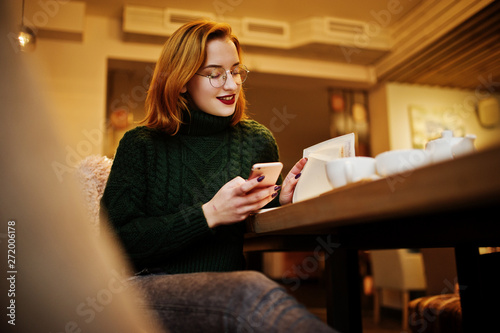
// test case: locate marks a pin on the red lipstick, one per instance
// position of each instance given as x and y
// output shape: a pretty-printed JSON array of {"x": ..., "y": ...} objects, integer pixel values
[{"x": 228, "y": 99}]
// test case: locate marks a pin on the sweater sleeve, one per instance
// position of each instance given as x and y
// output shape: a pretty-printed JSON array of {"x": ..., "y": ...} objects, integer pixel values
[{"x": 147, "y": 234}]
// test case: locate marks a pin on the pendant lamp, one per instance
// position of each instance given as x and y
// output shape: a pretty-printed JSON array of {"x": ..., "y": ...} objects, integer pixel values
[{"x": 26, "y": 37}]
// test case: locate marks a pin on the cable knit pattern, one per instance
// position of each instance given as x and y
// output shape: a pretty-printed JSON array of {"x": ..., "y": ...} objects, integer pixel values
[{"x": 159, "y": 182}]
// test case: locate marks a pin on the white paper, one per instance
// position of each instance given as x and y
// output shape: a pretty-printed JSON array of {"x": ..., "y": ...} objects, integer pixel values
[
  {"x": 341, "y": 146},
  {"x": 314, "y": 180}
]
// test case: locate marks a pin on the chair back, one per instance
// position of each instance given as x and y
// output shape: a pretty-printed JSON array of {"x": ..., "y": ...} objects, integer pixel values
[
  {"x": 398, "y": 269},
  {"x": 92, "y": 174}
]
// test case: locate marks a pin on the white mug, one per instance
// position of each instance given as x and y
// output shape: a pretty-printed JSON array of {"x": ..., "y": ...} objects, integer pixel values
[
  {"x": 401, "y": 161},
  {"x": 347, "y": 170}
]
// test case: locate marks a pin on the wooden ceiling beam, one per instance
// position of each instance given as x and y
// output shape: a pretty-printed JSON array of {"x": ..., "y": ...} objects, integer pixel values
[{"x": 459, "y": 57}]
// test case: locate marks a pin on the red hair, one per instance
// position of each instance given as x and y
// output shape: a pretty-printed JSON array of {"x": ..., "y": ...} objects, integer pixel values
[{"x": 182, "y": 55}]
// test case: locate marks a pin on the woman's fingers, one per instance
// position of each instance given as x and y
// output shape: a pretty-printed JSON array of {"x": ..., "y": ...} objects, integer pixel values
[
  {"x": 236, "y": 200},
  {"x": 297, "y": 168},
  {"x": 291, "y": 181},
  {"x": 249, "y": 185},
  {"x": 256, "y": 200}
]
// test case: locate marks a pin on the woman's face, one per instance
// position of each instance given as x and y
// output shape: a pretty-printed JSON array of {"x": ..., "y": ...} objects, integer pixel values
[{"x": 216, "y": 101}]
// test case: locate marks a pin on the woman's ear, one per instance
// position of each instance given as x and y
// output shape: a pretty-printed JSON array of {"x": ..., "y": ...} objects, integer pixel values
[{"x": 184, "y": 90}]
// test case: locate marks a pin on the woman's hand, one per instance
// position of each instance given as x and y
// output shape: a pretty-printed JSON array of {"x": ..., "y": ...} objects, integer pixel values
[
  {"x": 236, "y": 200},
  {"x": 288, "y": 186}
]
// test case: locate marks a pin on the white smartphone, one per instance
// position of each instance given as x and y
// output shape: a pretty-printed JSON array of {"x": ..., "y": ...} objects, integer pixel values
[{"x": 271, "y": 171}]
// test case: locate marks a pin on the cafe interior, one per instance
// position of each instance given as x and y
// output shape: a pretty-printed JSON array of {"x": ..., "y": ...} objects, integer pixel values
[{"x": 396, "y": 73}]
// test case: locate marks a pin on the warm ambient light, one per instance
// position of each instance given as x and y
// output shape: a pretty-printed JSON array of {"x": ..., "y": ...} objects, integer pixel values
[{"x": 27, "y": 39}]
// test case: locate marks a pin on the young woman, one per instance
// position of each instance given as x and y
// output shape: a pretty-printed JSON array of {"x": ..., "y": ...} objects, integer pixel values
[{"x": 177, "y": 192}]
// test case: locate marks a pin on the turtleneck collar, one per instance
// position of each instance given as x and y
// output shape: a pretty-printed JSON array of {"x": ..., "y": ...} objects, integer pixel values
[{"x": 197, "y": 122}]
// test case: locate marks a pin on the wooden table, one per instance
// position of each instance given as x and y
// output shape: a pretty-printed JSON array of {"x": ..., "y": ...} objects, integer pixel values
[{"x": 451, "y": 204}]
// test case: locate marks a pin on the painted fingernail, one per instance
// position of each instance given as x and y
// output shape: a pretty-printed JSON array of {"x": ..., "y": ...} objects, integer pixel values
[
  {"x": 277, "y": 188},
  {"x": 298, "y": 175},
  {"x": 274, "y": 195},
  {"x": 261, "y": 178}
]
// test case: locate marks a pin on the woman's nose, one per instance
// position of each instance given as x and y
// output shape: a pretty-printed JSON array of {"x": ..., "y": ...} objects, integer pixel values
[{"x": 230, "y": 83}]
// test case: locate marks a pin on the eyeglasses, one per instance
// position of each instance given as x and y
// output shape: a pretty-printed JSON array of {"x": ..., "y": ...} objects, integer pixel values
[{"x": 218, "y": 76}]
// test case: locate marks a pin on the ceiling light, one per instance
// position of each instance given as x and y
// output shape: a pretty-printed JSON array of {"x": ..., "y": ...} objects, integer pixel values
[{"x": 26, "y": 37}]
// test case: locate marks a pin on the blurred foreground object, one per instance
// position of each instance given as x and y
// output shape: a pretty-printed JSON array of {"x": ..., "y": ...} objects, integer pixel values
[{"x": 64, "y": 278}]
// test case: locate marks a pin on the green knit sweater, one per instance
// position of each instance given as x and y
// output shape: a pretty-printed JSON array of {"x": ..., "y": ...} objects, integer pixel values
[{"x": 159, "y": 182}]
